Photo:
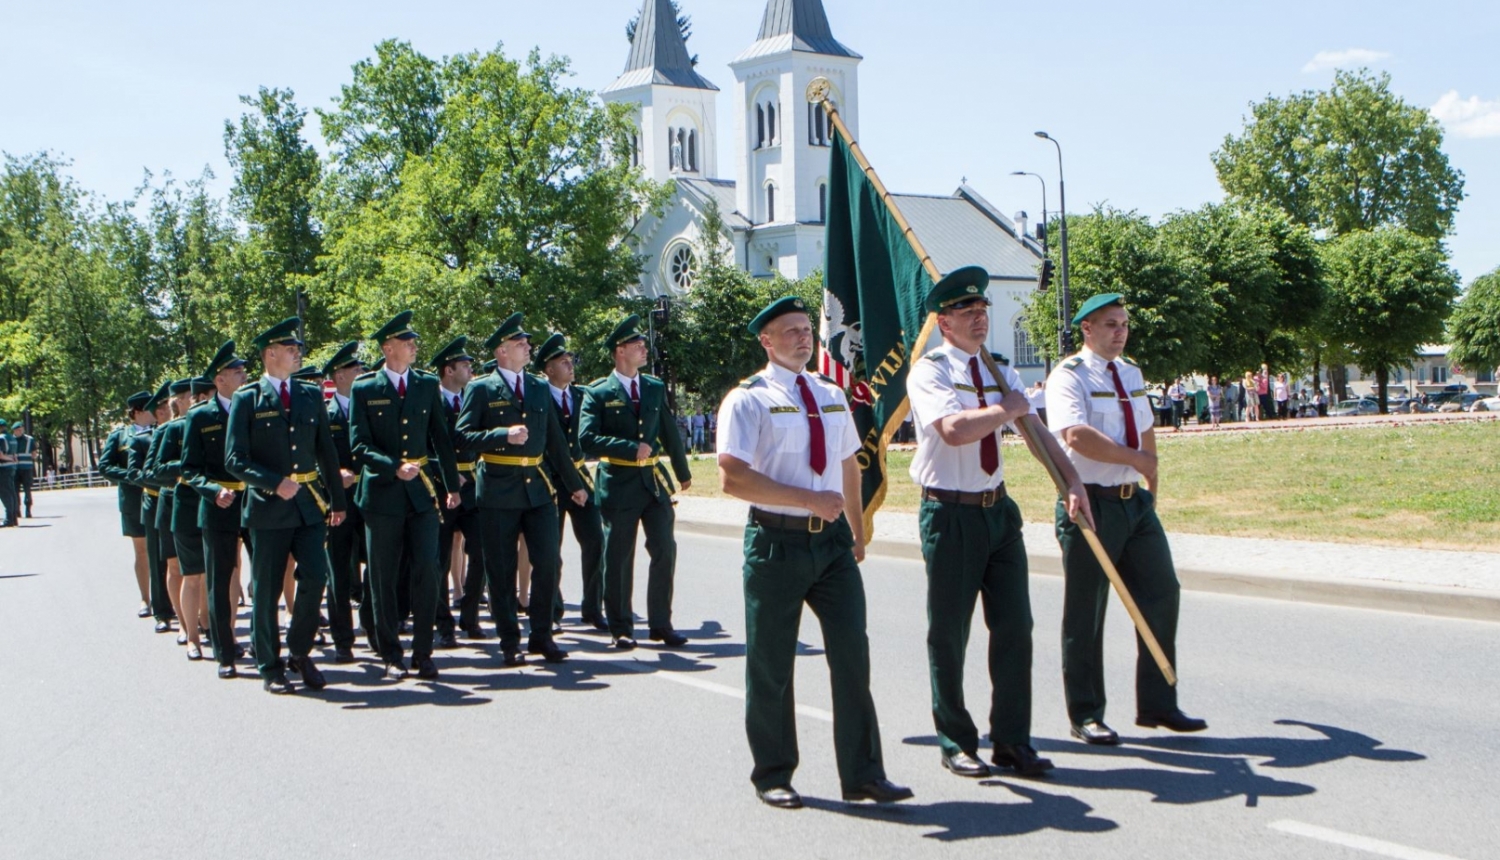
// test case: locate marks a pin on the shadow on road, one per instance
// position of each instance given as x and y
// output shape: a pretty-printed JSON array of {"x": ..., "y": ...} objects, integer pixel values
[
  {"x": 1336, "y": 744},
  {"x": 953, "y": 821},
  {"x": 17, "y": 575}
]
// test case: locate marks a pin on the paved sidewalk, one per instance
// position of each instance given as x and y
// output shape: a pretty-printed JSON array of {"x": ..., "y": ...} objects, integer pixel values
[{"x": 1430, "y": 582}]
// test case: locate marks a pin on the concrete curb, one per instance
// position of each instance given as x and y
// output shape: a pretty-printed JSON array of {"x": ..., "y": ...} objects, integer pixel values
[{"x": 1462, "y": 603}]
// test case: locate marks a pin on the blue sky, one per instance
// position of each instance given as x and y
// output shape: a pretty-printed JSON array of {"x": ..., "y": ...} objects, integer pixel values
[{"x": 1139, "y": 94}]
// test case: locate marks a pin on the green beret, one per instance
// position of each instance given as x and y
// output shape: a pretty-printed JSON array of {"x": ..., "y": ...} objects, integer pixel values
[
  {"x": 283, "y": 332},
  {"x": 1100, "y": 301},
  {"x": 347, "y": 356},
  {"x": 399, "y": 328},
  {"x": 308, "y": 373},
  {"x": 182, "y": 386},
  {"x": 508, "y": 330},
  {"x": 455, "y": 351},
  {"x": 203, "y": 385},
  {"x": 137, "y": 401},
  {"x": 160, "y": 396},
  {"x": 551, "y": 348},
  {"x": 959, "y": 289},
  {"x": 224, "y": 359},
  {"x": 780, "y": 307},
  {"x": 624, "y": 333}
]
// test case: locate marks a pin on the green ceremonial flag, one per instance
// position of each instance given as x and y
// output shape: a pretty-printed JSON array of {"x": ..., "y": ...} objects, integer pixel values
[{"x": 873, "y": 312}]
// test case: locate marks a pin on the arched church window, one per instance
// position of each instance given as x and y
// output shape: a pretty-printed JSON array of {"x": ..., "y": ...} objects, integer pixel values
[
  {"x": 683, "y": 268},
  {"x": 1027, "y": 354},
  {"x": 822, "y": 202},
  {"x": 674, "y": 154},
  {"x": 760, "y": 127},
  {"x": 770, "y": 203},
  {"x": 692, "y": 150}
]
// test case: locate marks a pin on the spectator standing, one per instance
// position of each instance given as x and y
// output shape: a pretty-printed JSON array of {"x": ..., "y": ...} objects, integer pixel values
[
  {"x": 1320, "y": 400},
  {"x": 1036, "y": 397},
  {"x": 1263, "y": 392},
  {"x": 1177, "y": 394},
  {"x": 1252, "y": 399},
  {"x": 1215, "y": 401},
  {"x": 698, "y": 423},
  {"x": 1283, "y": 396}
]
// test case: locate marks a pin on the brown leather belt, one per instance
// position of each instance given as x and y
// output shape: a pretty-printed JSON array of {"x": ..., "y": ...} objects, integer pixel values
[
  {"x": 1122, "y": 491},
  {"x": 810, "y": 525},
  {"x": 985, "y": 499}
]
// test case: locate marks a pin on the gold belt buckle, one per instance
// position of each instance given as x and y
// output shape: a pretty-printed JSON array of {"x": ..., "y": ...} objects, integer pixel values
[
  {"x": 987, "y": 499},
  {"x": 1127, "y": 491},
  {"x": 815, "y": 529}
]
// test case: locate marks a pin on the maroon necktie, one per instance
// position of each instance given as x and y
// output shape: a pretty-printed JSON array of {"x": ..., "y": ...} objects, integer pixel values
[
  {"x": 989, "y": 452},
  {"x": 520, "y": 389},
  {"x": 635, "y": 397},
  {"x": 401, "y": 386},
  {"x": 1132, "y": 438},
  {"x": 455, "y": 404},
  {"x": 286, "y": 396},
  {"x": 566, "y": 410},
  {"x": 819, "y": 449}
]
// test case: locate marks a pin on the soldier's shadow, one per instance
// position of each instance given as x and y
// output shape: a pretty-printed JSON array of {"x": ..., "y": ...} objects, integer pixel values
[
  {"x": 953, "y": 821},
  {"x": 1336, "y": 744},
  {"x": 18, "y": 575}
]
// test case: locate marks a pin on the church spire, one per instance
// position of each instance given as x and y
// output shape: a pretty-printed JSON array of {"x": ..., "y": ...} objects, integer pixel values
[
  {"x": 807, "y": 25},
  {"x": 658, "y": 53}
]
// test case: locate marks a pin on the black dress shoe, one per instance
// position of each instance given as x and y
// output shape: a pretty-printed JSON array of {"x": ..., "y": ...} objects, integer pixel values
[
  {"x": 548, "y": 649},
  {"x": 623, "y": 643},
  {"x": 596, "y": 621},
  {"x": 143, "y": 612},
  {"x": 1096, "y": 733},
  {"x": 445, "y": 641},
  {"x": 514, "y": 657},
  {"x": 781, "y": 797},
  {"x": 668, "y": 637},
  {"x": 425, "y": 668},
  {"x": 394, "y": 671},
  {"x": 228, "y": 671},
  {"x": 963, "y": 764},
  {"x": 311, "y": 675},
  {"x": 474, "y": 631},
  {"x": 1176, "y": 721},
  {"x": 343, "y": 654},
  {"x": 163, "y": 627},
  {"x": 1021, "y": 758},
  {"x": 278, "y": 684},
  {"x": 878, "y": 790}
]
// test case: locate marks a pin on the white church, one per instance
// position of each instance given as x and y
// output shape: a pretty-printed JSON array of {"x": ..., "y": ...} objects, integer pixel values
[{"x": 774, "y": 208}]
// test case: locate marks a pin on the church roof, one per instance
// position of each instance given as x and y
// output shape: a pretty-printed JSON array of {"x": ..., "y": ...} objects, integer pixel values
[
  {"x": 963, "y": 229},
  {"x": 721, "y": 191},
  {"x": 658, "y": 53},
  {"x": 796, "y": 25}
]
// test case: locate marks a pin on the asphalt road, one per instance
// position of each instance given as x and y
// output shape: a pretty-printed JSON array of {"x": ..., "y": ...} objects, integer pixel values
[{"x": 1335, "y": 733}]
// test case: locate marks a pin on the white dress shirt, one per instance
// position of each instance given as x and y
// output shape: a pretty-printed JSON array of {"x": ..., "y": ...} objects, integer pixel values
[
  {"x": 1083, "y": 392},
  {"x": 940, "y": 384},
  {"x": 397, "y": 379}
]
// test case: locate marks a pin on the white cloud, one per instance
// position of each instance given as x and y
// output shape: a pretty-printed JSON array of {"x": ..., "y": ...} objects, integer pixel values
[
  {"x": 1470, "y": 117},
  {"x": 1346, "y": 58}
]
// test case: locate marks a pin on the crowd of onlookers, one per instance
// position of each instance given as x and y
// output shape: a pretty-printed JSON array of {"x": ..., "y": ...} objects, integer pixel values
[{"x": 697, "y": 429}]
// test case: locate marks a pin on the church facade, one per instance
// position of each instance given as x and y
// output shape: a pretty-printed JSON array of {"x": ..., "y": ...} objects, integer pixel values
[{"x": 774, "y": 208}]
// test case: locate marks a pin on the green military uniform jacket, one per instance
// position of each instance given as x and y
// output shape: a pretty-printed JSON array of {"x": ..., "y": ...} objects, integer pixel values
[
  {"x": 609, "y": 429},
  {"x": 338, "y": 425},
  {"x": 114, "y": 465},
  {"x": 570, "y": 429},
  {"x": 466, "y": 461},
  {"x": 386, "y": 430},
  {"x": 265, "y": 445},
  {"x": 135, "y": 472},
  {"x": 489, "y": 409},
  {"x": 165, "y": 502},
  {"x": 203, "y": 466},
  {"x": 166, "y": 473}
]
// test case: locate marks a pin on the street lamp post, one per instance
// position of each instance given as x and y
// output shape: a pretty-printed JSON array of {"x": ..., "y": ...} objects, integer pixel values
[
  {"x": 1046, "y": 252},
  {"x": 1065, "y": 313}
]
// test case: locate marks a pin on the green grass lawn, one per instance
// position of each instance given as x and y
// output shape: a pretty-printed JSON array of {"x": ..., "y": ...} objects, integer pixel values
[{"x": 1429, "y": 485}]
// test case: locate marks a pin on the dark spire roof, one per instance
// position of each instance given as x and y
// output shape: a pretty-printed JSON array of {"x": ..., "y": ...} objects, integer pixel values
[
  {"x": 658, "y": 54},
  {"x": 807, "y": 24}
]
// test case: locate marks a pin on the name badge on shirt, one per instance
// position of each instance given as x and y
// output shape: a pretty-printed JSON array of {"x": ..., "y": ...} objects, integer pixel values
[
  {"x": 272, "y": 414},
  {"x": 835, "y": 407},
  {"x": 380, "y": 403},
  {"x": 963, "y": 387},
  {"x": 779, "y": 410},
  {"x": 212, "y": 428},
  {"x": 613, "y": 403},
  {"x": 1101, "y": 394},
  {"x": 497, "y": 403},
  {"x": 1139, "y": 392}
]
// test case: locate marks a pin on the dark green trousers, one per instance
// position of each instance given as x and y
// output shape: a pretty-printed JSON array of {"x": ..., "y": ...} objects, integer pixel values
[
  {"x": 784, "y": 570},
  {"x": 156, "y": 561},
  {"x": 588, "y": 530},
  {"x": 221, "y": 551},
  {"x": 501, "y": 529},
  {"x": 620, "y": 528},
  {"x": 346, "y": 543},
  {"x": 1134, "y": 540},
  {"x": 308, "y": 545},
  {"x": 9, "y": 500},
  {"x": 974, "y": 552},
  {"x": 387, "y": 537}
]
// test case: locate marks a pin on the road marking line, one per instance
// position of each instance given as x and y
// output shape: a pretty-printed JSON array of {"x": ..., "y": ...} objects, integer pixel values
[
  {"x": 1361, "y": 843},
  {"x": 722, "y": 689}
]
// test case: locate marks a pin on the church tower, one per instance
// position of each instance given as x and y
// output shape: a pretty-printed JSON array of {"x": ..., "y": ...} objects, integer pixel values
[
  {"x": 782, "y": 176},
  {"x": 675, "y": 121}
]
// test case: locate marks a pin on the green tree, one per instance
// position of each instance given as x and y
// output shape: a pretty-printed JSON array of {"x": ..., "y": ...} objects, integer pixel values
[
  {"x": 1355, "y": 157},
  {"x": 1474, "y": 327},
  {"x": 1121, "y": 252},
  {"x": 1263, "y": 278},
  {"x": 1390, "y": 291},
  {"x": 192, "y": 246}
]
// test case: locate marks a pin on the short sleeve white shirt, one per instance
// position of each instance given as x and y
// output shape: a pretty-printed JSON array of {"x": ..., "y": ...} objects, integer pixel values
[
  {"x": 1082, "y": 391},
  {"x": 765, "y": 424},
  {"x": 941, "y": 384}
]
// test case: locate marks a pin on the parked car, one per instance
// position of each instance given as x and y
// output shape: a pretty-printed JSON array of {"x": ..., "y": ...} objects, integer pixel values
[
  {"x": 1486, "y": 404},
  {"x": 1361, "y": 406},
  {"x": 1406, "y": 404},
  {"x": 1467, "y": 400}
]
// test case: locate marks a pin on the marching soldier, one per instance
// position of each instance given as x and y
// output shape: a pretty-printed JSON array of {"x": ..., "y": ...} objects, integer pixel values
[
  {"x": 508, "y": 420},
  {"x": 114, "y": 465},
  {"x": 556, "y": 362},
  {"x": 140, "y": 449},
  {"x": 346, "y": 541},
  {"x": 168, "y": 436},
  {"x": 787, "y": 445},
  {"x": 8, "y": 497},
  {"x": 455, "y": 369},
  {"x": 971, "y": 530},
  {"x": 1098, "y": 409},
  {"x": 187, "y": 535},
  {"x": 396, "y": 427},
  {"x": 278, "y": 443},
  {"x": 221, "y": 501},
  {"x": 25, "y": 451},
  {"x": 627, "y": 423}
]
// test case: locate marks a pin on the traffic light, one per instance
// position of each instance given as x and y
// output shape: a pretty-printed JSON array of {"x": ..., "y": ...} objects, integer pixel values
[{"x": 1044, "y": 278}]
